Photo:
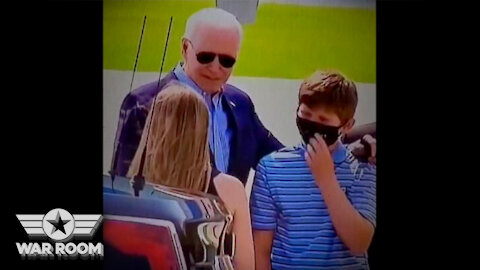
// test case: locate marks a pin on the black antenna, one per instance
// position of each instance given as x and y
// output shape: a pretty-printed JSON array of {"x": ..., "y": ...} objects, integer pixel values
[
  {"x": 138, "y": 51},
  {"x": 165, "y": 51},
  {"x": 139, "y": 179},
  {"x": 113, "y": 166}
]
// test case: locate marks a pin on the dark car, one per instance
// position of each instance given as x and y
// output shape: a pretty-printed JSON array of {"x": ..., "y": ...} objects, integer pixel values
[{"x": 164, "y": 228}]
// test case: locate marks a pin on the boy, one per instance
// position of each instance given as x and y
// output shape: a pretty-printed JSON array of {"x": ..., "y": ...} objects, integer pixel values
[{"x": 313, "y": 206}]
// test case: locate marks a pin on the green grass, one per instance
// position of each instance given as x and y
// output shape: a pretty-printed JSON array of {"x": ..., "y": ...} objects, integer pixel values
[{"x": 286, "y": 41}]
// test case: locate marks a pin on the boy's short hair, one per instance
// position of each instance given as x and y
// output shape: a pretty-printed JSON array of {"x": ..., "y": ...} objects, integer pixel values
[{"x": 331, "y": 90}]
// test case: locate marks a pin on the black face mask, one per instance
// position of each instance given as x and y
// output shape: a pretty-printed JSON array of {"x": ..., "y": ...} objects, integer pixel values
[{"x": 308, "y": 129}]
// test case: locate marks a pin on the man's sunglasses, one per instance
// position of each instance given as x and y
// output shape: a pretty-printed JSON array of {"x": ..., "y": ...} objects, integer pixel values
[{"x": 207, "y": 57}]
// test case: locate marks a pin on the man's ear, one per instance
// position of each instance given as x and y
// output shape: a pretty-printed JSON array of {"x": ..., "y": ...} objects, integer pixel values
[{"x": 184, "y": 48}]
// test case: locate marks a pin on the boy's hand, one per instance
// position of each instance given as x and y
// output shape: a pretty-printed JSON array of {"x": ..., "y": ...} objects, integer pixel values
[{"x": 319, "y": 159}]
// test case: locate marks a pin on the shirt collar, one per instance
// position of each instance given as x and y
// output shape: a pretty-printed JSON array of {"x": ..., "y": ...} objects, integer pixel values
[{"x": 183, "y": 77}]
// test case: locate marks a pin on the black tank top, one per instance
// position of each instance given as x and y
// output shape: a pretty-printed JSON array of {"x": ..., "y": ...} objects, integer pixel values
[{"x": 211, "y": 187}]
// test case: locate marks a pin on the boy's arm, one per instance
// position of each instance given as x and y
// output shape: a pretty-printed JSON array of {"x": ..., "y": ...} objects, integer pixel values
[
  {"x": 355, "y": 231},
  {"x": 263, "y": 247}
]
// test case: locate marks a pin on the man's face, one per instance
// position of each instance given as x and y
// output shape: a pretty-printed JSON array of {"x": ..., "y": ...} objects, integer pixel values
[{"x": 209, "y": 39}]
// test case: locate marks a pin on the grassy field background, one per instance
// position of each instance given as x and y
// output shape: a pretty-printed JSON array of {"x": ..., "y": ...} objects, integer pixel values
[{"x": 286, "y": 41}]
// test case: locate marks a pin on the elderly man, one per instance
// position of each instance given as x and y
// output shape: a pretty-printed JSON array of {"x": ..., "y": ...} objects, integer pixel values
[{"x": 237, "y": 138}]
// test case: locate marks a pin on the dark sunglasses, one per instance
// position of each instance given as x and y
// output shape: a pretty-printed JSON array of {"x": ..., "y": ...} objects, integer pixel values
[{"x": 207, "y": 57}]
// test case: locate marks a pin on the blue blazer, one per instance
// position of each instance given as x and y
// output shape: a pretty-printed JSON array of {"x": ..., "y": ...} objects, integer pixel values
[{"x": 250, "y": 141}]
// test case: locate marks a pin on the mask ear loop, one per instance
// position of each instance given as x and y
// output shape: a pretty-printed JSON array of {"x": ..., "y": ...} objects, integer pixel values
[
  {"x": 303, "y": 142},
  {"x": 341, "y": 134}
]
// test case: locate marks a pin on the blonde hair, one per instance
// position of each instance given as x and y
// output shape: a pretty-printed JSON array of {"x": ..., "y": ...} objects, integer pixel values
[{"x": 177, "y": 152}]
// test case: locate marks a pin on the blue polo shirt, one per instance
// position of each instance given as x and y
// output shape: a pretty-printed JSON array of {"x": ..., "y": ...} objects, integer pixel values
[
  {"x": 219, "y": 131},
  {"x": 286, "y": 199}
]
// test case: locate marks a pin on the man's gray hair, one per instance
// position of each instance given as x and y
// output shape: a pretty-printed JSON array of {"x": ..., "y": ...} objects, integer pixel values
[{"x": 214, "y": 17}]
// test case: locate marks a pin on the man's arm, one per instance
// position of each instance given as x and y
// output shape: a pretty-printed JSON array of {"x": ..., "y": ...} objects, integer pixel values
[
  {"x": 355, "y": 230},
  {"x": 267, "y": 143},
  {"x": 129, "y": 131},
  {"x": 362, "y": 142},
  {"x": 263, "y": 248},
  {"x": 358, "y": 132}
]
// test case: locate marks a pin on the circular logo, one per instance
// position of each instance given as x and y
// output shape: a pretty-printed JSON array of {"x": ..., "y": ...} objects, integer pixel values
[{"x": 58, "y": 224}]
